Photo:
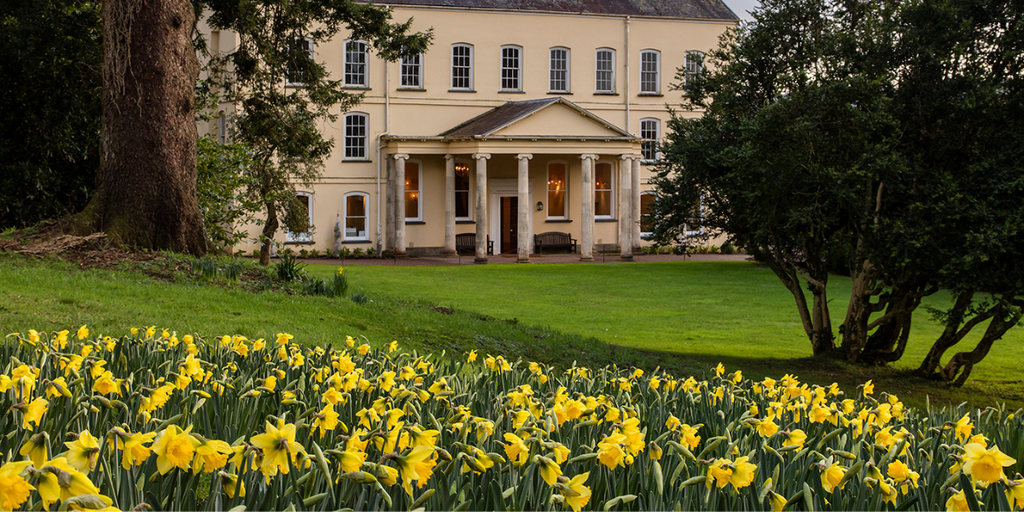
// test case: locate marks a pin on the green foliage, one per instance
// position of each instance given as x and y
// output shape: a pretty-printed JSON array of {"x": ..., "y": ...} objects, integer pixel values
[
  {"x": 50, "y": 86},
  {"x": 221, "y": 173},
  {"x": 289, "y": 269},
  {"x": 876, "y": 140}
]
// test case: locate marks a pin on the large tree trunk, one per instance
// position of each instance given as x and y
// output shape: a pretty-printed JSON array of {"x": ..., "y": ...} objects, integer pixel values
[{"x": 146, "y": 185}]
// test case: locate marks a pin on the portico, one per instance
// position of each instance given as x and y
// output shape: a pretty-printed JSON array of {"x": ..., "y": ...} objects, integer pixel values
[{"x": 520, "y": 179}]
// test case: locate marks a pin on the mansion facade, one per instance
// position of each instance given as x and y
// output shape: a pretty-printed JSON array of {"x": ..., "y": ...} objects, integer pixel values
[{"x": 521, "y": 118}]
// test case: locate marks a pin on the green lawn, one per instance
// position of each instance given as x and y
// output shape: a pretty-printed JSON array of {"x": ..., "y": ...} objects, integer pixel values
[{"x": 683, "y": 316}]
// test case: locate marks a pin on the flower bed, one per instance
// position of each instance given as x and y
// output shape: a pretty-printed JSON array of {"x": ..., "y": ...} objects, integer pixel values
[{"x": 188, "y": 423}]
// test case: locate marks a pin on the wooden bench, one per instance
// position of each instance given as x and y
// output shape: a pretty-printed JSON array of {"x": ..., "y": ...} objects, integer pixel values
[
  {"x": 466, "y": 242},
  {"x": 553, "y": 240}
]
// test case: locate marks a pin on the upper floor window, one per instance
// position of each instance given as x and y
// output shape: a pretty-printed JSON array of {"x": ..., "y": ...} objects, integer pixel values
[
  {"x": 462, "y": 67},
  {"x": 557, "y": 184},
  {"x": 559, "y": 70},
  {"x": 693, "y": 65},
  {"x": 603, "y": 188},
  {"x": 355, "y": 136},
  {"x": 412, "y": 191},
  {"x": 355, "y": 64},
  {"x": 511, "y": 68},
  {"x": 605, "y": 76},
  {"x": 650, "y": 72},
  {"x": 303, "y": 200},
  {"x": 412, "y": 71},
  {"x": 355, "y": 216},
  {"x": 649, "y": 134},
  {"x": 297, "y": 69},
  {"x": 462, "y": 211}
]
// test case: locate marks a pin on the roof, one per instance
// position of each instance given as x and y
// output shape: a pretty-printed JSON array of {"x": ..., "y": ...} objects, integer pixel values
[
  {"x": 688, "y": 9},
  {"x": 500, "y": 117}
]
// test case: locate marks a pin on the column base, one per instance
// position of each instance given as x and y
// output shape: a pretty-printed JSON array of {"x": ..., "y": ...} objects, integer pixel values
[
  {"x": 586, "y": 258},
  {"x": 448, "y": 254},
  {"x": 627, "y": 257},
  {"x": 522, "y": 260},
  {"x": 479, "y": 260}
]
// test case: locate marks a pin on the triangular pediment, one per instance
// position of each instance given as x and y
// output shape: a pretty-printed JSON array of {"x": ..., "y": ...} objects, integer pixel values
[{"x": 545, "y": 118}]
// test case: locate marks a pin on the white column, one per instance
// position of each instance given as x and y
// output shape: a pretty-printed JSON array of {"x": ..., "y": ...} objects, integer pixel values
[
  {"x": 449, "y": 205},
  {"x": 587, "y": 198},
  {"x": 400, "y": 160},
  {"x": 635, "y": 201},
  {"x": 523, "y": 231},
  {"x": 481, "y": 207},
  {"x": 625, "y": 208}
]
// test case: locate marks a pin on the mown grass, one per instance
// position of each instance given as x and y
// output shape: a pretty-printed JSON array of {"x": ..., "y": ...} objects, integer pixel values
[{"x": 683, "y": 316}]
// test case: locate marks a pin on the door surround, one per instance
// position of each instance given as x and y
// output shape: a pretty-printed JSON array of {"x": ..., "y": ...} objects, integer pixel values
[{"x": 496, "y": 189}]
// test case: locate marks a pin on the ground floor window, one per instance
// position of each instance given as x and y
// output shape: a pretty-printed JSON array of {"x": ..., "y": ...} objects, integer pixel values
[
  {"x": 462, "y": 211},
  {"x": 303, "y": 200},
  {"x": 603, "y": 198},
  {"x": 646, "y": 214},
  {"x": 355, "y": 216},
  {"x": 412, "y": 191},
  {"x": 556, "y": 190}
]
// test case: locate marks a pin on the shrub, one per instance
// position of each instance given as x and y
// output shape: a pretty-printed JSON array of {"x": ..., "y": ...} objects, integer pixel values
[
  {"x": 289, "y": 269},
  {"x": 303, "y": 254},
  {"x": 358, "y": 252},
  {"x": 370, "y": 252},
  {"x": 728, "y": 248},
  {"x": 314, "y": 253}
]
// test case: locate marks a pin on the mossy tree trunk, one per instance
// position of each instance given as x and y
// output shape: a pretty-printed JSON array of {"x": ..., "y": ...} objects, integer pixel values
[{"x": 146, "y": 185}]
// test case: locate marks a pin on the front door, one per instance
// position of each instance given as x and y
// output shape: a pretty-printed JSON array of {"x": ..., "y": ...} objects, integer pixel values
[{"x": 509, "y": 225}]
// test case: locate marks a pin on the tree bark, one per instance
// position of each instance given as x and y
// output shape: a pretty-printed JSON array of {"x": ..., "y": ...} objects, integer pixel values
[
  {"x": 269, "y": 228},
  {"x": 963, "y": 362},
  {"x": 146, "y": 185}
]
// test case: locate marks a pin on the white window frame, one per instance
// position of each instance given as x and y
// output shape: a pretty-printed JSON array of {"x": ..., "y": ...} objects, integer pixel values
[
  {"x": 611, "y": 188},
  {"x": 645, "y": 132},
  {"x": 306, "y": 237},
  {"x": 650, "y": 80},
  {"x": 693, "y": 64},
  {"x": 511, "y": 78},
  {"x": 567, "y": 70},
  {"x": 469, "y": 68},
  {"x": 598, "y": 71},
  {"x": 418, "y": 191},
  {"x": 417, "y": 76},
  {"x": 365, "y": 217},
  {"x": 547, "y": 191},
  {"x": 362, "y": 139},
  {"x": 363, "y": 67},
  {"x": 468, "y": 190},
  {"x": 288, "y": 79}
]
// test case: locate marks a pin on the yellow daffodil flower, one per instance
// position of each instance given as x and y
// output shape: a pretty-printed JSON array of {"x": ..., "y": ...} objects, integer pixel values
[
  {"x": 14, "y": 490},
  {"x": 985, "y": 465},
  {"x": 174, "y": 448},
  {"x": 83, "y": 452}
]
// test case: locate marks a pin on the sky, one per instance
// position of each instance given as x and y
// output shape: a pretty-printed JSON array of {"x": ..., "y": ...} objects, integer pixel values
[{"x": 740, "y": 7}]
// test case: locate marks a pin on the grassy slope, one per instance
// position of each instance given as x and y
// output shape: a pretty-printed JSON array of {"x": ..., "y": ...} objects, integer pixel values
[
  {"x": 683, "y": 317},
  {"x": 736, "y": 312}
]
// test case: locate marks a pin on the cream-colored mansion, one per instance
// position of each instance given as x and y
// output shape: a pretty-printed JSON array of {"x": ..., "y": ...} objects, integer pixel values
[{"x": 522, "y": 118}]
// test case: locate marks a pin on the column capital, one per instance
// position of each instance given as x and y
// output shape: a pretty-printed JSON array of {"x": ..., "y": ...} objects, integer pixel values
[
  {"x": 588, "y": 156},
  {"x": 626, "y": 157},
  {"x": 449, "y": 157},
  {"x": 637, "y": 158},
  {"x": 526, "y": 156},
  {"x": 401, "y": 156},
  {"x": 481, "y": 156}
]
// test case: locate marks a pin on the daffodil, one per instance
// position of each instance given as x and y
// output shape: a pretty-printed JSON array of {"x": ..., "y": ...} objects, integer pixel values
[
  {"x": 963, "y": 428},
  {"x": 278, "y": 444},
  {"x": 58, "y": 480},
  {"x": 985, "y": 465},
  {"x": 611, "y": 452},
  {"x": 33, "y": 412},
  {"x": 83, "y": 452},
  {"x": 14, "y": 489},
  {"x": 35, "y": 449},
  {"x": 174, "y": 448},
  {"x": 326, "y": 419},
  {"x": 416, "y": 465},
  {"x": 576, "y": 494},
  {"x": 472, "y": 356},
  {"x": 229, "y": 483},
  {"x": 211, "y": 455},
  {"x": 134, "y": 451},
  {"x": 767, "y": 427},
  {"x": 831, "y": 477},
  {"x": 549, "y": 469},
  {"x": 796, "y": 437},
  {"x": 957, "y": 503},
  {"x": 516, "y": 450}
]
